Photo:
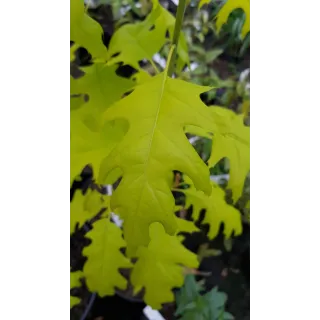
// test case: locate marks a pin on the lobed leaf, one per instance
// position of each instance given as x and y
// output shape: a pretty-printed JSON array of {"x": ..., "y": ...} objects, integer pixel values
[
  {"x": 191, "y": 305},
  {"x": 217, "y": 210},
  {"x": 232, "y": 141},
  {"x": 92, "y": 139},
  {"x": 104, "y": 87},
  {"x": 85, "y": 31},
  {"x": 189, "y": 292},
  {"x": 132, "y": 43},
  {"x": 91, "y": 148},
  {"x": 105, "y": 258},
  {"x": 159, "y": 266},
  {"x": 155, "y": 144},
  {"x": 186, "y": 226},
  {"x": 85, "y": 207}
]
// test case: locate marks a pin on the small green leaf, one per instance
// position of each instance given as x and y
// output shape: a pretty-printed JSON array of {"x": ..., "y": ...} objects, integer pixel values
[
  {"x": 200, "y": 70},
  {"x": 213, "y": 54},
  {"x": 188, "y": 296},
  {"x": 216, "y": 299},
  {"x": 197, "y": 49}
]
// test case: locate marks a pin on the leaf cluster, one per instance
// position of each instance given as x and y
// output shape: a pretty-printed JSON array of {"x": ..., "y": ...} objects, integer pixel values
[{"x": 133, "y": 131}]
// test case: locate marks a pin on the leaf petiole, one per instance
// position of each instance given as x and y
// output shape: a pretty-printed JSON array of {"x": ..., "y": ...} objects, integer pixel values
[{"x": 177, "y": 28}]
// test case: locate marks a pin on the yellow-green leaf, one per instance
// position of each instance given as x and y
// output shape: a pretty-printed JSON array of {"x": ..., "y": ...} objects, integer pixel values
[
  {"x": 154, "y": 146},
  {"x": 91, "y": 138},
  {"x": 85, "y": 31},
  {"x": 103, "y": 86},
  {"x": 132, "y": 43},
  {"x": 186, "y": 226},
  {"x": 101, "y": 270},
  {"x": 74, "y": 283},
  {"x": 203, "y": 2},
  {"x": 141, "y": 76},
  {"x": 88, "y": 147},
  {"x": 76, "y": 102},
  {"x": 159, "y": 268},
  {"x": 85, "y": 207},
  {"x": 217, "y": 210},
  {"x": 233, "y": 142},
  {"x": 228, "y": 7}
]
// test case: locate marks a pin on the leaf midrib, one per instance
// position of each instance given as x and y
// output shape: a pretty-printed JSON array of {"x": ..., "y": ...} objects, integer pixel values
[{"x": 146, "y": 163}]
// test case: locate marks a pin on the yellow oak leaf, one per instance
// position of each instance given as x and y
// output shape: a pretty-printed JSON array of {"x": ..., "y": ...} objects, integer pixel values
[
  {"x": 217, "y": 210},
  {"x": 91, "y": 138},
  {"x": 160, "y": 266},
  {"x": 101, "y": 270},
  {"x": 132, "y": 43},
  {"x": 85, "y": 31},
  {"x": 85, "y": 207},
  {"x": 231, "y": 141},
  {"x": 155, "y": 144},
  {"x": 186, "y": 226},
  {"x": 103, "y": 86},
  {"x": 91, "y": 148}
]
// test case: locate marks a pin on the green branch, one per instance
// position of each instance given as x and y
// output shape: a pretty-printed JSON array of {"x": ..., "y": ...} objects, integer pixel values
[{"x": 177, "y": 28}]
